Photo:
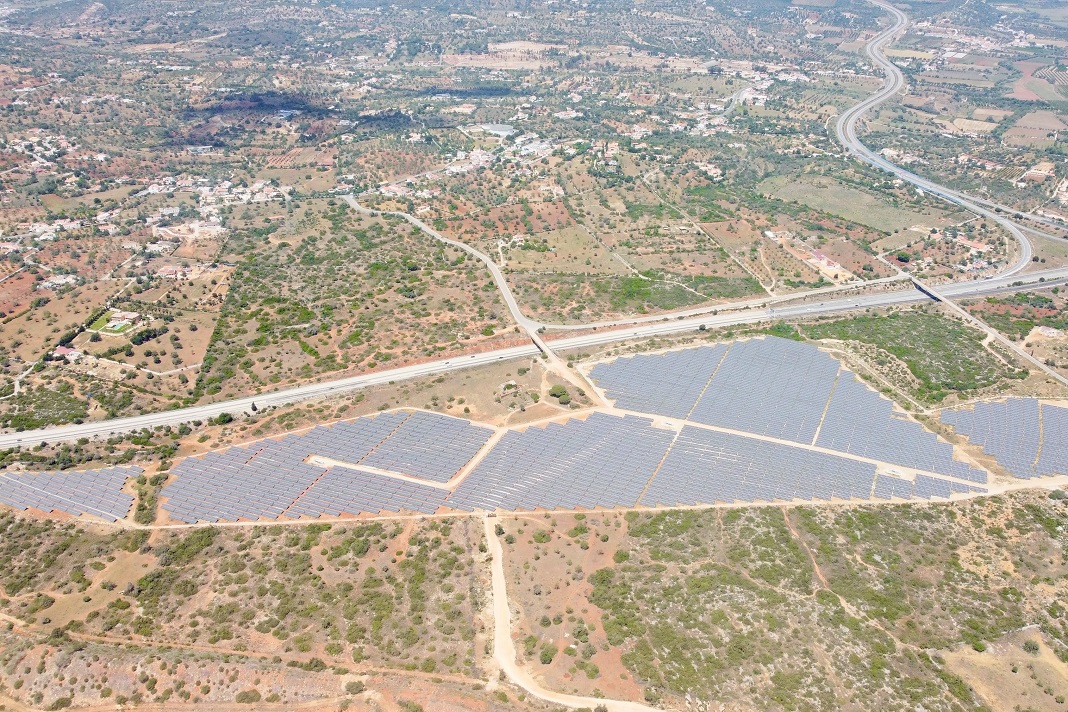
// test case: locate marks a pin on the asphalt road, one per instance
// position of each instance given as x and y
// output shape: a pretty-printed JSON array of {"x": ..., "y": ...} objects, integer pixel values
[
  {"x": 978, "y": 288},
  {"x": 846, "y": 129},
  {"x": 68, "y": 433}
]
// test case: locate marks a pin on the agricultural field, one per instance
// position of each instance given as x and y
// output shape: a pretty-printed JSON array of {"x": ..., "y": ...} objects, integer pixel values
[{"x": 831, "y": 196}]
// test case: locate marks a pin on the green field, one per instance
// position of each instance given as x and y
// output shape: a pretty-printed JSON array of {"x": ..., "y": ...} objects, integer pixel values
[
  {"x": 101, "y": 321},
  {"x": 831, "y": 196},
  {"x": 943, "y": 354}
]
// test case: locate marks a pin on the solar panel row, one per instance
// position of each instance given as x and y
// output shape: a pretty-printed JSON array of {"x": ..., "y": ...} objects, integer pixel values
[
  {"x": 1053, "y": 458},
  {"x": 608, "y": 461},
  {"x": 603, "y": 461},
  {"x": 706, "y": 467},
  {"x": 778, "y": 388},
  {"x": 666, "y": 384},
  {"x": 271, "y": 478},
  {"x": 774, "y": 387},
  {"x": 351, "y": 441},
  {"x": 862, "y": 423},
  {"x": 1028, "y": 438},
  {"x": 429, "y": 446},
  {"x": 77, "y": 492},
  {"x": 345, "y": 491}
]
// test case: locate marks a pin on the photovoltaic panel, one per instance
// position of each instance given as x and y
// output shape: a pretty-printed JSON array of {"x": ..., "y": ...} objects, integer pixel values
[
  {"x": 270, "y": 479},
  {"x": 255, "y": 483},
  {"x": 1012, "y": 432},
  {"x": 664, "y": 384},
  {"x": 342, "y": 490},
  {"x": 430, "y": 446},
  {"x": 351, "y": 441},
  {"x": 1053, "y": 457},
  {"x": 774, "y": 387},
  {"x": 603, "y": 461},
  {"x": 706, "y": 467},
  {"x": 76, "y": 492},
  {"x": 887, "y": 487},
  {"x": 861, "y": 422}
]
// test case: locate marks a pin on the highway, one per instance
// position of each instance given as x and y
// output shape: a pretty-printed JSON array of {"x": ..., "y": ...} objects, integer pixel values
[
  {"x": 978, "y": 288},
  {"x": 237, "y": 406},
  {"x": 846, "y": 129}
]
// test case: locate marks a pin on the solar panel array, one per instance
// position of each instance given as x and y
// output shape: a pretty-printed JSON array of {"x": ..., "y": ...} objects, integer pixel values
[
  {"x": 429, "y": 446},
  {"x": 609, "y": 461},
  {"x": 860, "y": 422},
  {"x": 666, "y": 384},
  {"x": 270, "y": 479},
  {"x": 603, "y": 461},
  {"x": 95, "y": 493},
  {"x": 706, "y": 466},
  {"x": 1029, "y": 438},
  {"x": 890, "y": 487},
  {"x": 771, "y": 386},
  {"x": 238, "y": 484},
  {"x": 782, "y": 389},
  {"x": 924, "y": 487},
  {"x": 351, "y": 441},
  {"x": 343, "y": 490},
  {"x": 1053, "y": 458}
]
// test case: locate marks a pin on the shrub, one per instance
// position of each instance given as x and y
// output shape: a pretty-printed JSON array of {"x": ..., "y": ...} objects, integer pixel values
[{"x": 248, "y": 697}]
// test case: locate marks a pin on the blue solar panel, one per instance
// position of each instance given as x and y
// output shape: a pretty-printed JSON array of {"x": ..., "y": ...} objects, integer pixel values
[
  {"x": 95, "y": 493},
  {"x": 1028, "y": 438}
]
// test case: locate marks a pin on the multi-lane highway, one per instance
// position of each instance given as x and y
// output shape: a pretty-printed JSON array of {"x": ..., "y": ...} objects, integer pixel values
[
  {"x": 846, "y": 128},
  {"x": 667, "y": 325}
]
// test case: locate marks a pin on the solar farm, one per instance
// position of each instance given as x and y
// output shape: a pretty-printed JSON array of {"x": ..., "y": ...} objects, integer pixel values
[
  {"x": 369, "y": 465},
  {"x": 96, "y": 493},
  {"x": 1027, "y": 437},
  {"x": 756, "y": 421}
]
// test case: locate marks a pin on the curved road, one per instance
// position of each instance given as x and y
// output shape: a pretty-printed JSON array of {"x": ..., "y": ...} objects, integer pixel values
[
  {"x": 504, "y": 647},
  {"x": 846, "y": 129}
]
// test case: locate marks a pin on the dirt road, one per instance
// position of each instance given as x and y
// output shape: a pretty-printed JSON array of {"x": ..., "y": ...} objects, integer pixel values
[{"x": 504, "y": 646}]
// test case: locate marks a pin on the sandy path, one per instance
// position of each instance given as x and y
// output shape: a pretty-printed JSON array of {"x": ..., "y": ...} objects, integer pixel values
[{"x": 504, "y": 647}]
